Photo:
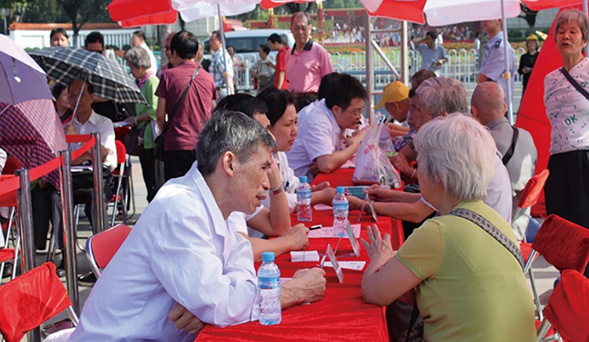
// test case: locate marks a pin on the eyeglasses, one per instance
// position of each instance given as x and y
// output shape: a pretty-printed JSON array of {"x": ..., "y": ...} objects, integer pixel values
[{"x": 357, "y": 112}]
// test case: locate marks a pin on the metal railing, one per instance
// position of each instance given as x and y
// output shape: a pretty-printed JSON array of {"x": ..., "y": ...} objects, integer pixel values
[{"x": 462, "y": 65}]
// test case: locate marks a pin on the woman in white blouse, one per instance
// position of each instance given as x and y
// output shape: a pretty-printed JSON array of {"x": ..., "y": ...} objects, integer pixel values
[{"x": 567, "y": 108}]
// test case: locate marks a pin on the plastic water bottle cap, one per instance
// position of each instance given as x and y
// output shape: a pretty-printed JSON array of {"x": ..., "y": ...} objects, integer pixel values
[
  {"x": 303, "y": 179},
  {"x": 267, "y": 256},
  {"x": 340, "y": 189}
]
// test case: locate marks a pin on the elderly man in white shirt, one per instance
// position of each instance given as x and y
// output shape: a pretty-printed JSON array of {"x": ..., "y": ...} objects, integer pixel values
[
  {"x": 322, "y": 126},
  {"x": 182, "y": 251}
]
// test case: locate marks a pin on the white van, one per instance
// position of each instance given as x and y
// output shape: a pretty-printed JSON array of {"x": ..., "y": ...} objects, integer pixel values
[{"x": 249, "y": 41}]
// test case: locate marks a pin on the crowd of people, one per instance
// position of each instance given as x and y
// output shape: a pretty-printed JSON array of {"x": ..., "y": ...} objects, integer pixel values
[{"x": 231, "y": 164}]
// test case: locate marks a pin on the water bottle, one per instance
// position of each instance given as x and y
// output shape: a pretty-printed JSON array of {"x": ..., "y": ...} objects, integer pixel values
[
  {"x": 340, "y": 212},
  {"x": 304, "y": 212},
  {"x": 269, "y": 285}
]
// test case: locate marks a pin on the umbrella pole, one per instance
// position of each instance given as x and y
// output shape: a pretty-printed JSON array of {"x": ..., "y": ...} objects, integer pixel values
[
  {"x": 223, "y": 49},
  {"x": 506, "y": 54},
  {"x": 369, "y": 69},
  {"x": 78, "y": 101},
  {"x": 25, "y": 211},
  {"x": 67, "y": 198},
  {"x": 586, "y": 10}
]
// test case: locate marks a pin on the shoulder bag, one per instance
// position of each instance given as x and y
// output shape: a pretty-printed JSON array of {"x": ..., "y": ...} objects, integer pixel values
[
  {"x": 415, "y": 331},
  {"x": 158, "y": 149}
]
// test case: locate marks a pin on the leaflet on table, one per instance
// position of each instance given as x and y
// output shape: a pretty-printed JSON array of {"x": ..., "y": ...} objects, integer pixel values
[
  {"x": 327, "y": 232},
  {"x": 304, "y": 256},
  {"x": 322, "y": 207},
  {"x": 348, "y": 265}
]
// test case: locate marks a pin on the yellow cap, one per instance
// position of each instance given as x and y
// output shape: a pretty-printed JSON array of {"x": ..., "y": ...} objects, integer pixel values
[
  {"x": 393, "y": 92},
  {"x": 532, "y": 37}
]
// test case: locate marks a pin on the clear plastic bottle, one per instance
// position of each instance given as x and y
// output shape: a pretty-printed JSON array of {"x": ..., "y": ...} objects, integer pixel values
[
  {"x": 304, "y": 212},
  {"x": 269, "y": 287},
  {"x": 340, "y": 212}
]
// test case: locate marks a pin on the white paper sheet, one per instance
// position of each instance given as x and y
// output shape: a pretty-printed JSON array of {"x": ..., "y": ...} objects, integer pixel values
[
  {"x": 304, "y": 256},
  {"x": 322, "y": 207},
  {"x": 349, "y": 265},
  {"x": 327, "y": 232}
]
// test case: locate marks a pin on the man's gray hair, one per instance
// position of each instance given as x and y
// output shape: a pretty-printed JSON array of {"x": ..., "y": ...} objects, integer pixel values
[
  {"x": 138, "y": 57},
  {"x": 573, "y": 15},
  {"x": 442, "y": 94},
  {"x": 230, "y": 131},
  {"x": 458, "y": 152}
]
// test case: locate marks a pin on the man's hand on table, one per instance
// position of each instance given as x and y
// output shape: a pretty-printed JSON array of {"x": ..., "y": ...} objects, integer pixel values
[
  {"x": 185, "y": 320},
  {"x": 379, "y": 249},
  {"x": 307, "y": 285},
  {"x": 320, "y": 186},
  {"x": 297, "y": 237},
  {"x": 355, "y": 203}
]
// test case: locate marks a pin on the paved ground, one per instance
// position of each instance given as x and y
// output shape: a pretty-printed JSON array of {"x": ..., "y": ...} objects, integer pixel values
[{"x": 545, "y": 273}]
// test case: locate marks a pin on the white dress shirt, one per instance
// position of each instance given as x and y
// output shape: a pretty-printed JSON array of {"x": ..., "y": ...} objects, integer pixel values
[
  {"x": 319, "y": 135},
  {"x": 180, "y": 251},
  {"x": 101, "y": 124}
]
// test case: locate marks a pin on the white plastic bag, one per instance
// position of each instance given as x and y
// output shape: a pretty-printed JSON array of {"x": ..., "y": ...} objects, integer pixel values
[{"x": 372, "y": 164}]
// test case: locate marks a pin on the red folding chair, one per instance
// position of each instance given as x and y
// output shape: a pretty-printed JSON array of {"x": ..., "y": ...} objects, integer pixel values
[
  {"x": 9, "y": 200},
  {"x": 31, "y": 299},
  {"x": 100, "y": 248},
  {"x": 563, "y": 244},
  {"x": 530, "y": 195},
  {"x": 568, "y": 308},
  {"x": 119, "y": 173}
]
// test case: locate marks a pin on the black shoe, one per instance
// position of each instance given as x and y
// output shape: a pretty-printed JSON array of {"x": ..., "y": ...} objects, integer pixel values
[
  {"x": 87, "y": 279},
  {"x": 7, "y": 270}
]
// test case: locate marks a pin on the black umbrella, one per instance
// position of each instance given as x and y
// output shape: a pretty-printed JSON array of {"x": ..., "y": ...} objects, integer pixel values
[{"x": 109, "y": 79}]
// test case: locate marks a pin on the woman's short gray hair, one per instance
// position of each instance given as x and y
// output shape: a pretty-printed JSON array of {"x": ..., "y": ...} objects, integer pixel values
[
  {"x": 443, "y": 94},
  {"x": 138, "y": 57},
  {"x": 458, "y": 152},
  {"x": 573, "y": 15}
]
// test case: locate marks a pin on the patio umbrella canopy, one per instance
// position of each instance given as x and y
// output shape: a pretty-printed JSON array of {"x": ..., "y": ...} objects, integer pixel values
[
  {"x": 31, "y": 132},
  {"x": 21, "y": 79},
  {"x": 109, "y": 79}
]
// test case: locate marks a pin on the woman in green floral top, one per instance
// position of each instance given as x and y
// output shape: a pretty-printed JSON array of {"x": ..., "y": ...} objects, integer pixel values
[{"x": 139, "y": 62}]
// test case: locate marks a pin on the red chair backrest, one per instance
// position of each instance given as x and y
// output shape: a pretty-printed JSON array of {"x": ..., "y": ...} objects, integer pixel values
[
  {"x": 568, "y": 307},
  {"x": 29, "y": 300},
  {"x": 531, "y": 192},
  {"x": 563, "y": 243},
  {"x": 121, "y": 152},
  {"x": 12, "y": 164},
  {"x": 106, "y": 243}
]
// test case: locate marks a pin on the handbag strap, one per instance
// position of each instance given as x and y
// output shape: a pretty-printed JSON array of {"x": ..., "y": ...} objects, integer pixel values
[
  {"x": 507, "y": 157},
  {"x": 182, "y": 96},
  {"x": 574, "y": 83},
  {"x": 492, "y": 230}
]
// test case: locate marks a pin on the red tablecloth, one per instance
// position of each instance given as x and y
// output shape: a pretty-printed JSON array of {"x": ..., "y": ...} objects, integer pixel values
[
  {"x": 342, "y": 315},
  {"x": 343, "y": 177}
]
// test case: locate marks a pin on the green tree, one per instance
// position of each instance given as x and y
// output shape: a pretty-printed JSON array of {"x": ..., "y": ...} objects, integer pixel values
[{"x": 80, "y": 12}]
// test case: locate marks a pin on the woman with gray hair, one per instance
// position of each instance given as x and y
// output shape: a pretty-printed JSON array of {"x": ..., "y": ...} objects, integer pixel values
[
  {"x": 469, "y": 286},
  {"x": 567, "y": 108},
  {"x": 139, "y": 63}
]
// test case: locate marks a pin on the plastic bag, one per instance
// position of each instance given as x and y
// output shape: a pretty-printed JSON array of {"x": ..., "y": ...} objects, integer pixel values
[{"x": 372, "y": 164}]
